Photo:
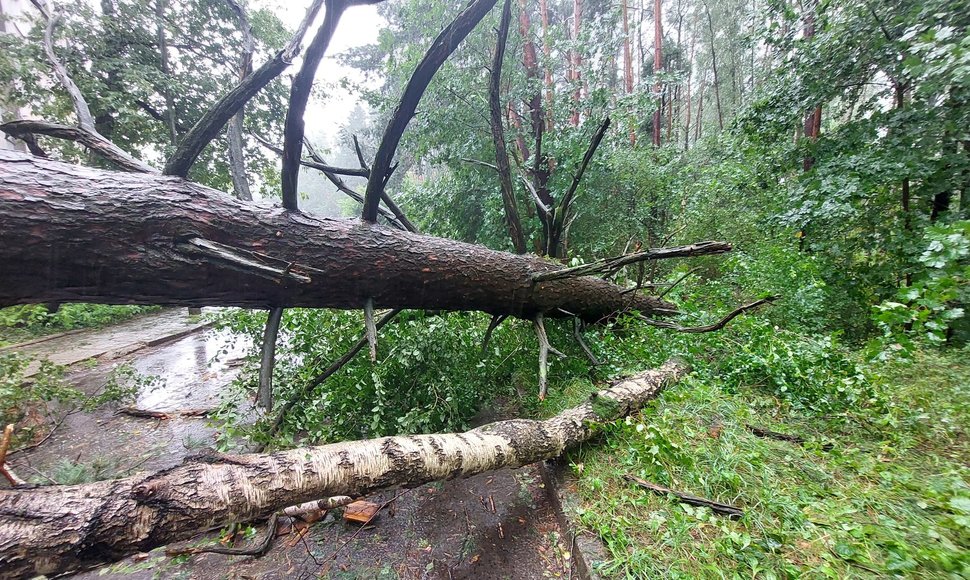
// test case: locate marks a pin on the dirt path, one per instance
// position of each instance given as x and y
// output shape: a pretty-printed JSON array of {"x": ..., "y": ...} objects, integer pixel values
[
  {"x": 113, "y": 342},
  {"x": 496, "y": 525}
]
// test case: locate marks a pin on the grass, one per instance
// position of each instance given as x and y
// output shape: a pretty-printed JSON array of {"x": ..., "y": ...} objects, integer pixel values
[
  {"x": 890, "y": 498},
  {"x": 25, "y": 322}
]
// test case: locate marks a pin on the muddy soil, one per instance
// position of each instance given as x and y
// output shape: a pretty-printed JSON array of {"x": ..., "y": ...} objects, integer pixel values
[{"x": 496, "y": 525}]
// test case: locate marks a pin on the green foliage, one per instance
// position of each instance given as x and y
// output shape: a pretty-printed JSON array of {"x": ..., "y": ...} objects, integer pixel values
[
  {"x": 926, "y": 310},
  {"x": 46, "y": 392},
  {"x": 30, "y": 320},
  {"x": 431, "y": 373},
  {"x": 889, "y": 499}
]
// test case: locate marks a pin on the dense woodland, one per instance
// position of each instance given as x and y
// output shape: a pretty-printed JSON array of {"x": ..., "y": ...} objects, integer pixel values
[{"x": 774, "y": 191}]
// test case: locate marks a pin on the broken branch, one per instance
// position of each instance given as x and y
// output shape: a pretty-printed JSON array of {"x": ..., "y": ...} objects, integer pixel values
[
  {"x": 710, "y": 327},
  {"x": 717, "y": 507},
  {"x": 612, "y": 265}
]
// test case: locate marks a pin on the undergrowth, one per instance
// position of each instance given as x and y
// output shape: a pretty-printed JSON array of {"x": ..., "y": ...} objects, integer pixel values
[
  {"x": 19, "y": 323},
  {"x": 878, "y": 488}
]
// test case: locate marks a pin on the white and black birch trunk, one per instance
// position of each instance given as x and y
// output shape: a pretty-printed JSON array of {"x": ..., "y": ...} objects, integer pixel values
[{"x": 56, "y": 529}]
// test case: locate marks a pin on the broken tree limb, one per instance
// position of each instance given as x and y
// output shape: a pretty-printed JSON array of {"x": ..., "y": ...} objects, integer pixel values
[
  {"x": 265, "y": 393},
  {"x": 709, "y": 327},
  {"x": 57, "y": 529},
  {"x": 26, "y": 129},
  {"x": 717, "y": 507},
  {"x": 370, "y": 328},
  {"x": 610, "y": 266},
  {"x": 442, "y": 47},
  {"x": 768, "y": 434},
  {"x": 126, "y": 238}
]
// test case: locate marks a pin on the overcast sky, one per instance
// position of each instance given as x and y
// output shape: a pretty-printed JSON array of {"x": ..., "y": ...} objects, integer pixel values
[{"x": 358, "y": 26}]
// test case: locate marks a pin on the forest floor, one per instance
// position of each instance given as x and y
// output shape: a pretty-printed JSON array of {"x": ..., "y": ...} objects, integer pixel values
[{"x": 496, "y": 525}]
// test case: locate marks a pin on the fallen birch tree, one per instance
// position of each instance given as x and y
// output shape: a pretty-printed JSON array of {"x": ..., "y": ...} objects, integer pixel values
[{"x": 58, "y": 529}]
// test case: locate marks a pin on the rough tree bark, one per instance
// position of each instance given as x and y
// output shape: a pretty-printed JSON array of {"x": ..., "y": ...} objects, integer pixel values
[
  {"x": 56, "y": 529},
  {"x": 70, "y": 233}
]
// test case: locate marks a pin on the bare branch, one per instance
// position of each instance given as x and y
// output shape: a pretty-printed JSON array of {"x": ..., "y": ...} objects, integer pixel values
[
  {"x": 334, "y": 178},
  {"x": 299, "y": 95},
  {"x": 611, "y": 265},
  {"x": 578, "y": 326},
  {"x": 265, "y": 396},
  {"x": 212, "y": 122},
  {"x": 84, "y": 118},
  {"x": 677, "y": 282},
  {"x": 544, "y": 349},
  {"x": 440, "y": 49},
  {"x": 94, "y": 141},
  {"x": 512, "y": 220},
  {"x": 497, "y": 320},
  {"x": 399, "y": 216},
  {"x": 710, "y": 327},
  {"x": 360, "y": 155}
]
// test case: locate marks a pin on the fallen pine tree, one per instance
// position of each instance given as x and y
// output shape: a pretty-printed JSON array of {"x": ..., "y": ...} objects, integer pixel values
[{"x": 58, "y": 529}]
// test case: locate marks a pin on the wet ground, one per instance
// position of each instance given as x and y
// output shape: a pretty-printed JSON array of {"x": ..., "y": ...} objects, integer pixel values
[
  {"x": 110, "y": 343},
  {"x": 496, "y": 525}
]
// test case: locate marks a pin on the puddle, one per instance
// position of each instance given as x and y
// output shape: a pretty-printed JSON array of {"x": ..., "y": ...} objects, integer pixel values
[{"x": 191, "y": 371}]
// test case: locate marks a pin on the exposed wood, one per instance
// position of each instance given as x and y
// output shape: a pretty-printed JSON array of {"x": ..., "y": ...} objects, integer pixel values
[
  {"x": 361, "y": 511},
  {"x": 5, "y": 470},
  {"x": 715, "y": 506},
  {"x": 442, "y": 47},
  {"x": 125, "y": 238},
  {"x": 79, "y": 526},
  {"x": 143, "y": 413},
  {"x": 370, "y": 328}
]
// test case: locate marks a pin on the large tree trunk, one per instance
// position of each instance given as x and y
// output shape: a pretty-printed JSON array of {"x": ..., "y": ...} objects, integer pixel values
[
  {"x": 57, "y": 529},
  {"x": 77, "y": 234}
]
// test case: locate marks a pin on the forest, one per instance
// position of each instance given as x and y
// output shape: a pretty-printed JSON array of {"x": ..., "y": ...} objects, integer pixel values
[{"x": 709, "y": 260}]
